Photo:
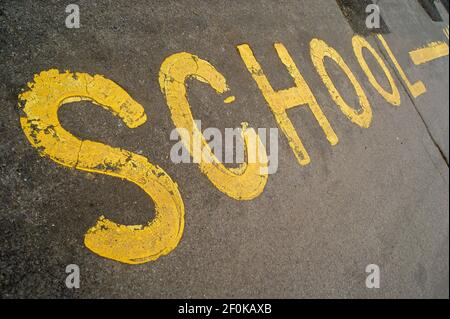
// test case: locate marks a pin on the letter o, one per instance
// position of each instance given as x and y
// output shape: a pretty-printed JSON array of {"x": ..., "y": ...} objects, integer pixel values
[
  {"x": 359, "y": 43},
  {"x": 320, "y": 50}
]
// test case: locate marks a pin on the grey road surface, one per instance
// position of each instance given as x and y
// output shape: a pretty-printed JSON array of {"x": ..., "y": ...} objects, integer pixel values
[{"x": 380, "y": 196}]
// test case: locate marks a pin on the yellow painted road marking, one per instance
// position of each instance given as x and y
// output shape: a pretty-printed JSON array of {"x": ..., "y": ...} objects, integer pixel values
[
  {"x": 417, "y": 88},
  {"x": 249, "y": 179},
  {"x": 319, "y": 51},
  {"x": 135, "y": 244},
  {"x": 128, "y": 244},
  {"x": 229, "y": 100},
  {"x": 283, "y": 100},
  {"x": 432, "y": 51},
  {"x": 359, "y": 44},
  {"x": 446, "y": 32}
]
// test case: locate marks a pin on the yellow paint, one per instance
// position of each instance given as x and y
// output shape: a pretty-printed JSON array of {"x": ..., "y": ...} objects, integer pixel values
[
  {"x": 432, "y": 51},
  {"x": 229, "y": 100},
  {"x": 359, "y": 43},
  {"x": 319, "y": 51},
  {"x": 128, "y": 244},
  {"x": 244, "y": 183},
  {"x": 446, "y": 32},
  {"x": 283, "y": 100},
  {"x": 415, "y": 89}
]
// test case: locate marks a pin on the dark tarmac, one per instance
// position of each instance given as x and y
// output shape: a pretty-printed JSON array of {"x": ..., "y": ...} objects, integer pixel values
[{"x": 380, "y": 196}]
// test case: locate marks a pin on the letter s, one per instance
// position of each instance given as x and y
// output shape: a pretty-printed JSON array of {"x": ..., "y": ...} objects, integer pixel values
[{"x": 128, "y": 244}]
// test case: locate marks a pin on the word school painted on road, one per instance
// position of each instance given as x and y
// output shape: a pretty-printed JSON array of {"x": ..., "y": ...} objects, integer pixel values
[{"x": 138, "y": 244}]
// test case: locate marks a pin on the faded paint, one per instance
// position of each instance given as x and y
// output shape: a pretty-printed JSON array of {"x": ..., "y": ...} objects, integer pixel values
[
  {"x": 430, "y": 52},
  {"x": 321, "y": 50},
  {"x": 135, "y": 244},
  {"x": 359, "y": 44},
  {"x": 283, "y": 100},
  {"x": 243, "y": 183},
  {"x": 128, "y": 244},
  {"x": 416, "y": 89}
]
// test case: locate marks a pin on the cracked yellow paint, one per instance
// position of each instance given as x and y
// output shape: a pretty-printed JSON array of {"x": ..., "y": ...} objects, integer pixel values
[
  {"x": 244, "y": 183},
  {"x": 430, "y": 52},
  {"x": 128, "y": 244},
  {"x": 283, "y": 100},
  {"x": 319, "y": 51},
  {"x": 359, "y": 44},
  {"x": 415, "y": 89}
]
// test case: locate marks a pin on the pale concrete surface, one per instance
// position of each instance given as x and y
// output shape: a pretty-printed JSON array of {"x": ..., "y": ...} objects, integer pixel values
[{"x": 380, "y": 196}]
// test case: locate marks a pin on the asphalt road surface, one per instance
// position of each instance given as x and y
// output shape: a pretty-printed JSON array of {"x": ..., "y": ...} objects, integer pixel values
[{"x": 378, "y": 196}]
